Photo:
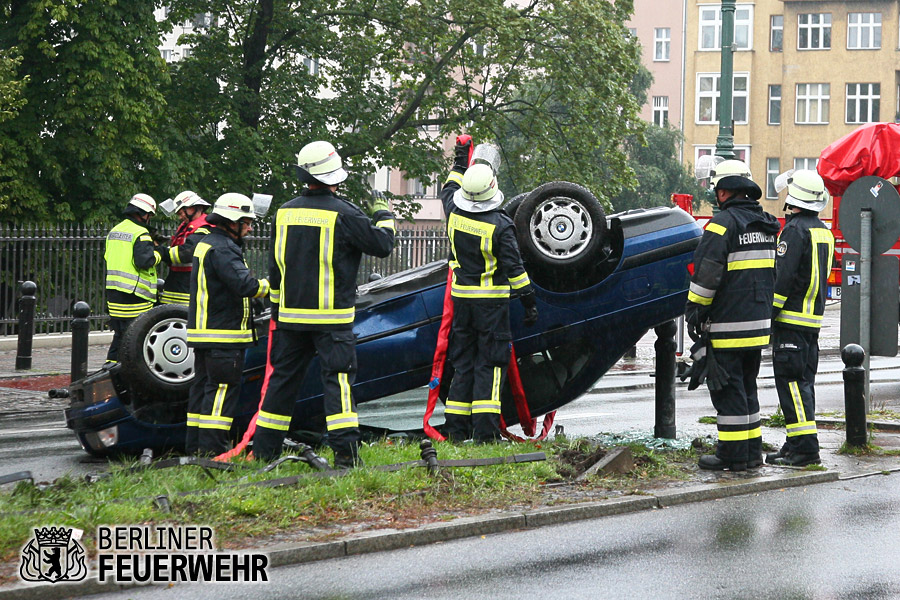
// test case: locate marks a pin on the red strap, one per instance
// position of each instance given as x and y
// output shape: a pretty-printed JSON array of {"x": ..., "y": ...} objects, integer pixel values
[
  {"x": 440, "y": 358},
  {"x": 525, "y": 419},
  {"x": 251, "y": 429},
  {"x": 464, "y": 139}
]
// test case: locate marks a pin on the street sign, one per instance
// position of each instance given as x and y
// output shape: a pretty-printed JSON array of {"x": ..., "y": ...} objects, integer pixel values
[
  {"x": 885, "y": 304},
  {"x": 879, "y": 195}
]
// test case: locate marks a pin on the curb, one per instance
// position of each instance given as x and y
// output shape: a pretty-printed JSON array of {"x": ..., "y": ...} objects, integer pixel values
[
  {"x": 377, "y": 541},
  {"x": 55, "y": 340}
]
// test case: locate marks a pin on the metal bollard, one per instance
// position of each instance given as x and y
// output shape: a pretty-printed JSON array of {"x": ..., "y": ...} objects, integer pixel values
[
  {"x": 80, "y": 329},
  {"x": 665, "y": 380},
  {"x": 853, "y": 356},
  {"x": 26, "y": 325}
]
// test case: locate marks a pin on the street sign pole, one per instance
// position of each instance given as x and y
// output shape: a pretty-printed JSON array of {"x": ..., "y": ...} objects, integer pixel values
[{"x": 865, "y": 293}]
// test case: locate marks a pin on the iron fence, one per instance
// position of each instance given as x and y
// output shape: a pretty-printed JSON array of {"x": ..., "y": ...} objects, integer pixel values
[{"x": 66, "y": 262}]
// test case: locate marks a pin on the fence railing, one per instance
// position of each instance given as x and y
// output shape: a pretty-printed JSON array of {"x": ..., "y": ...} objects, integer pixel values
[{"x": 66, "y": 262}]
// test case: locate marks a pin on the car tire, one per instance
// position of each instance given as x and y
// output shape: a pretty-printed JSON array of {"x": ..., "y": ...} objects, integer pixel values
[
  {"x": 561, "y": 227},
  {"x": 156, "y": 361},
  {"x": 513, "y": 205}
]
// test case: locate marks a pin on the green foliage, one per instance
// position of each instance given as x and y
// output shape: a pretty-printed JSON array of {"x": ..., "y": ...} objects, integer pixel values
[
  {"x": 11, "y": 101},
  {"x": 87, "y": 134}
]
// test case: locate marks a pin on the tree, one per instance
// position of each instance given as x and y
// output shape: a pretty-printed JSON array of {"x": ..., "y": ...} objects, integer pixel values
[
  {"x": 11, "y": 101},
  {"x": 658, "y": 171},
  {"x": 87, "y": 136},
  {"x": 266, "y": 76}
]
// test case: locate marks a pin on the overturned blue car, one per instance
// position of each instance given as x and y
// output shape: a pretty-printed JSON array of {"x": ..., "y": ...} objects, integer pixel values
[{"x": 601, "y": 283}]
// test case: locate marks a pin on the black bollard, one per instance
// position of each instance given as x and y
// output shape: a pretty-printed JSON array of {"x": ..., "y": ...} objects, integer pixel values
[
  {"x": 853, "y": 356},
  {"x": 26, "y": 325},
  {"x": 429, "y": 455},
  {"x": 665, "y": 380},
  {"x": 80, "y": 329}
]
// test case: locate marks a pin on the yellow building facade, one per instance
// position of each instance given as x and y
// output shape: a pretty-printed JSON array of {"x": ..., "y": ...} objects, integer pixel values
[{"x": 806, "y": 72}]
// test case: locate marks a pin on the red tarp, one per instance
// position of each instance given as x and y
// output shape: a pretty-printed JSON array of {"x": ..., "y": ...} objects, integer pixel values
[{"x": 873, "y": 149}]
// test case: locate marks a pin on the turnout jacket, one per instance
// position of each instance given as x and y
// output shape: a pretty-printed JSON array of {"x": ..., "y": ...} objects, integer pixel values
[
  {"x": 484, "y": 253},
  {"x": 734, "y": 276},
  {"x": 318, "y": 240},
  {"x": 131, "y": 260},
  {"x": 180, "y": 259},
  {"x": 803, "y": 261},
  {"x": 219, "y": 314}
]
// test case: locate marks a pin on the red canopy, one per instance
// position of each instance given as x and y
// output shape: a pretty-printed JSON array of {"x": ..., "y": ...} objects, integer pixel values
[{"x": 873, "y": 149}]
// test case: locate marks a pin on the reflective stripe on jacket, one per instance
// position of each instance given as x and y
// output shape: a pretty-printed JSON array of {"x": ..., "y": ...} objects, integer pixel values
[
  {"x": 131, "y": 260},
  {"x": 484, "y": 252},
  {"x": 221, "y": 285},
  {"x": 318, "y": 240},
  {"x": 734, "y": 275},
  {"x": 804, "y": 256}
]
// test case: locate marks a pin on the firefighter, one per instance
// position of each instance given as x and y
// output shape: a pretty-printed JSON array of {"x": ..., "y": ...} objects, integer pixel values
[
  {"x": 131, "y": 258},
  {"x": 220, "y": 323},
  {"x": 318, "y": 240},
  {"x": 486, "y": 267},
  {"x": 802, "y": 264},
  {"x": 729, "y": 307},
  {"x": 191, "y": 209}
]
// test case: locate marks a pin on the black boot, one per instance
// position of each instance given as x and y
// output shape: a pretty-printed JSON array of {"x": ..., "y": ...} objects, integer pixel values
[
  {"x": 714, "y": 463},
  {"x": 347, "y": 458},
  {"x": 773, "y": 456},
  {"x": 796, "y": 459}
]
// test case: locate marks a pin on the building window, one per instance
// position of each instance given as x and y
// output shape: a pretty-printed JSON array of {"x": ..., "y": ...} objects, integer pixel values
[
  {"x": 661, "y": 110},
  {"x": 632, "y": 31},
  {"x": 740, "y": 152},
  {"x": 311, "y": 65},
  {"x": 863, "y": 102},
  {"x": 711, "y": 27},
  {"x": 863, "y": 31},
  {"x": 813, "y": 101},
  {"x": 772, "y": 171},
  {"x": 774, "y": 104},
  {"x": 776, "y": 33},
  {"x": 168, "y": 55},
  {"x": 416, "y": 188},
  {"x": 662, "y": 39},
  {"x": 814, "y": 32},
  {"x": 185, "y": 52},
  {"x": 805, "y": 163},
  {"x": 708, "y": 98}
]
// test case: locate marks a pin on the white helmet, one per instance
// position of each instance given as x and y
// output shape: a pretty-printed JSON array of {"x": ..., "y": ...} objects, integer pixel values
[
  {"x": 321, "y": 161},
  {"x": 479, "y": 191},
  {"x": 144, "y": 203},
  {"x": 234, "y": 207},
  {"x": 186, "y": 199},
  {"x": 806, "y": 190},
  {"x": 734, "y": 175}
]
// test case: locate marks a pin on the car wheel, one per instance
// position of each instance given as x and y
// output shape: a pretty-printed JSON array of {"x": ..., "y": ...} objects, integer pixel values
[
  {"x": 561, "y": 225},
  {"x": 156, "y": 360}
]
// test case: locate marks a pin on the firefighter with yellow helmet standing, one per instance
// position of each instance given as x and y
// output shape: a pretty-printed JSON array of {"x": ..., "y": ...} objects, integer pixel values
[
  {"x": 191, "y": 209},
  {"x": 803, "y": 261},
  {"x": 220, "y": 323},
  {"x": 486, "y": 267},
  {"x": 131, "y": 258},
  {"x": 729, "y": 308},
  {"x": 318, "y": 240}
]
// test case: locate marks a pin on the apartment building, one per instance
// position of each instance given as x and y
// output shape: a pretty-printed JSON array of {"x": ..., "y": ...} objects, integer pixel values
[
  {"x": 806, "y": 72},
  {"x": 659, "y": 27}
]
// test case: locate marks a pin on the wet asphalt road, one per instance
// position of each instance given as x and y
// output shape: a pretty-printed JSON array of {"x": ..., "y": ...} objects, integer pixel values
[{"x": 835, "y": 540}]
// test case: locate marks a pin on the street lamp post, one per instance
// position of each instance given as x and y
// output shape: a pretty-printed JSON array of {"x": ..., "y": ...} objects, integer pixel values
[{"x": 725, "y": 139}]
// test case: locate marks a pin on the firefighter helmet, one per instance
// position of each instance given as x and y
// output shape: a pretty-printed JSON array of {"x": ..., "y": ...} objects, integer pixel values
[
  {"x": 806, "y": 190},
  {"x": 734, "y": 175},
  {"x": 143, "y": 203},
  {"x": 479, "y": 191},
  {"x": 234, "y": 207},
  {"x": 187, "y": 199},
  {"x": 319, "y": 162}
]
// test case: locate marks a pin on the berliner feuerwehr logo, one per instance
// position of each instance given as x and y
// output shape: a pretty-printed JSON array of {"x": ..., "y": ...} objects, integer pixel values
[{"x": 54, "y": 556}]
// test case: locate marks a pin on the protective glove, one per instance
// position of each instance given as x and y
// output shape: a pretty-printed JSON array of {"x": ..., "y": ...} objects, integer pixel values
[
  {"x": 461, "y": 153},
  {"x": 163, "y": 251},
  {"x": 694, "y": 316},
  {"x": 716, "y": 375},
  {"x": 531, "y": 312},
  {"x": 379, "y": 202}
]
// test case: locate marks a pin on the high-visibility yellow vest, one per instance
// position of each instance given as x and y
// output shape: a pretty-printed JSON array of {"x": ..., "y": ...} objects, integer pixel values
[{"x": 121, "y": 273}]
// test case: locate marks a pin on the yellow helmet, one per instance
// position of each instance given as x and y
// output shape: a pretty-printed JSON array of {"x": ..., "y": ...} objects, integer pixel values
[
  {"x": 234, "y": 207},
  {"x": 479, "y": 191},
  {"x": 144, "y": 203},
  {"x": 320, "y": 161},
  {"x": 806, "y": 190}
]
